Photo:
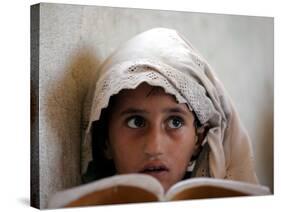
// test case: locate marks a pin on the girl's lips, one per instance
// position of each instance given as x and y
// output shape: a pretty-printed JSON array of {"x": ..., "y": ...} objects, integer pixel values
[{"x": 155, "y": 168}]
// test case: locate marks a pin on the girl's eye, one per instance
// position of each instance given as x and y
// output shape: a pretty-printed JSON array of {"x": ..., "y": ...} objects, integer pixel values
[
  {"x": 136, "y": 122},
  {"x": 175, "y": 122}
]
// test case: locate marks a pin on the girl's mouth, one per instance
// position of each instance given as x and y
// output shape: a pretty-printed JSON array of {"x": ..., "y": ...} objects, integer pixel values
[
  {"x": 157, "y": 170},
  {"x": 154, "y": 169}
]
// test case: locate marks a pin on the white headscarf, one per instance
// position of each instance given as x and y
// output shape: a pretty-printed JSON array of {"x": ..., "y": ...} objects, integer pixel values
[{"x": 161, "y": 57}]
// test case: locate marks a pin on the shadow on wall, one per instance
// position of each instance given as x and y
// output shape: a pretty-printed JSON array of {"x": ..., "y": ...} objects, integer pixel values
[
  {"x": 265, "y": 151},
  {"x": 64, "y": 110}
]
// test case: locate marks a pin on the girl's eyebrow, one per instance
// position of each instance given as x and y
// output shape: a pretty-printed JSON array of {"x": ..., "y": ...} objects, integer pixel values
[
  {"x": 142, "y": 111},
  {"x": 132, "y": 111},
  {"x": 175, "y": 110}
]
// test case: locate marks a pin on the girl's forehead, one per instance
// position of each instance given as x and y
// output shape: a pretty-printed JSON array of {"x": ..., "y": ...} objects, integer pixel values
[{"x": 148, "y": 98}]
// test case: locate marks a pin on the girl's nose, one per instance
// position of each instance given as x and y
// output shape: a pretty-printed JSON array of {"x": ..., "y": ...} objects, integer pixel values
[{"x": 154, "y": 142}]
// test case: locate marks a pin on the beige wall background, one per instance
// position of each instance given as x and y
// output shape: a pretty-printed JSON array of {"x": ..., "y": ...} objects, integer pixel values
[{"x": 75, "y": 39}]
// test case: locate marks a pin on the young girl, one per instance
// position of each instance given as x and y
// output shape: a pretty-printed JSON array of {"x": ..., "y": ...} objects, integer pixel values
[{"x": 159, "y": 109}]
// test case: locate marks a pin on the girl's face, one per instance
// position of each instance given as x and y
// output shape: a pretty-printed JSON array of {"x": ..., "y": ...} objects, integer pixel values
[{"x": 150, "y": 133}]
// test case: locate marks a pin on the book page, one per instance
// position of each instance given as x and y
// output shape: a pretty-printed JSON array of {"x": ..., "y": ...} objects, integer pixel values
[
  {"x": 112, "y": 190},
  {"x": 115, "y": 195},
  {"x": 200, "y": 188}
]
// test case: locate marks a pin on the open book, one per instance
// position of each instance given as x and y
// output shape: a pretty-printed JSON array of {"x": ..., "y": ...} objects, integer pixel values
[{"x": 133, "y": 188}]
